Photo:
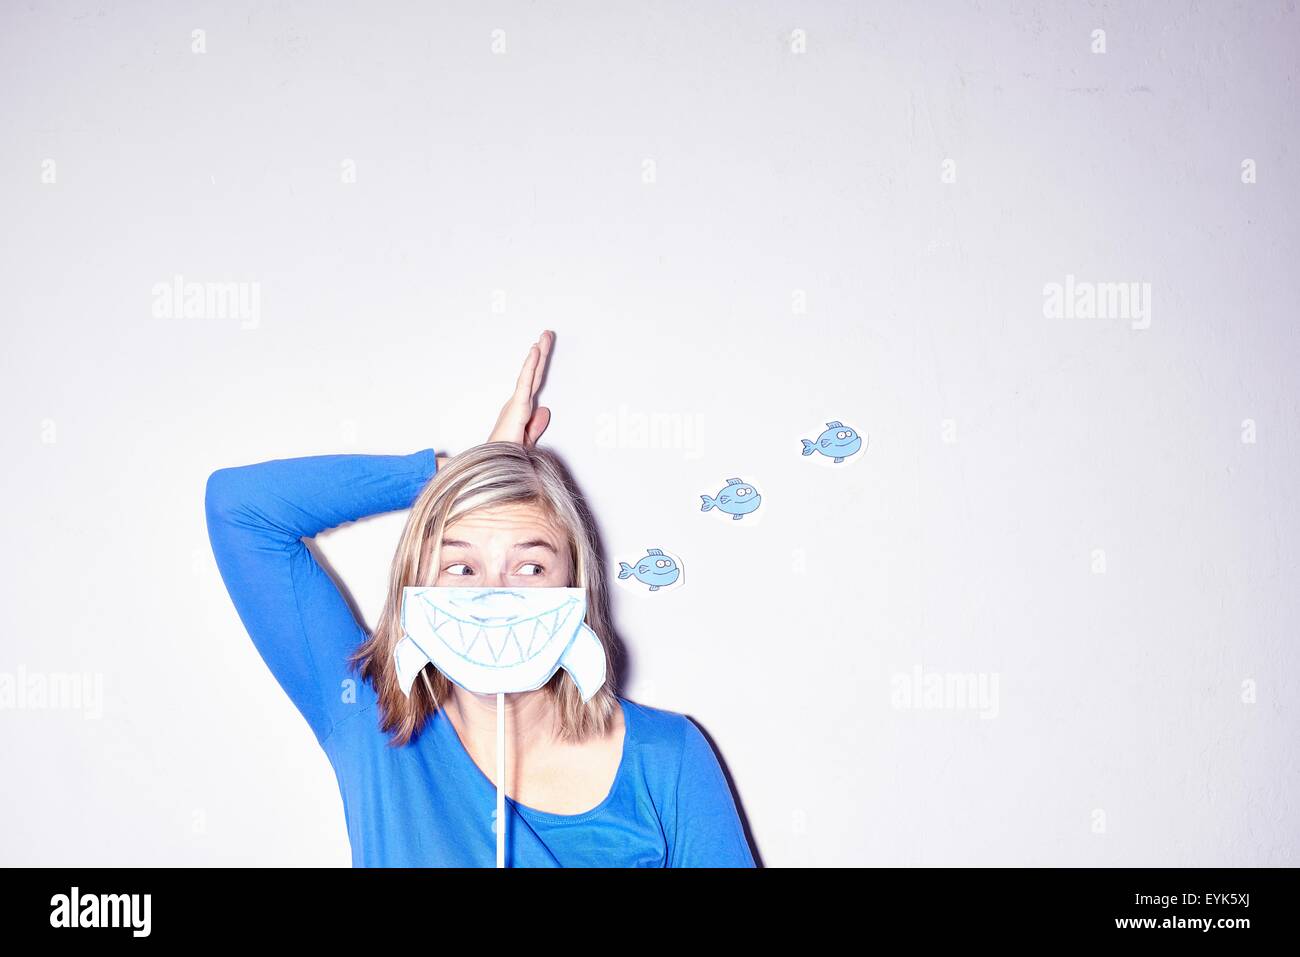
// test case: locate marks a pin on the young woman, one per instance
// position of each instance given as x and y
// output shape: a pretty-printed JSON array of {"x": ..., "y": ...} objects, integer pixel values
[{"x": 608, "y": 783}]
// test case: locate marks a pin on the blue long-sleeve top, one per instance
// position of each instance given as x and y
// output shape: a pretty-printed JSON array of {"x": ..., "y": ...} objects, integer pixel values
[{"x": 427, "y": 804}]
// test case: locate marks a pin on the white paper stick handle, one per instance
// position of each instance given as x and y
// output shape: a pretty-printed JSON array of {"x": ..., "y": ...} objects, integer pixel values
[{"x": 501, "y": 777}]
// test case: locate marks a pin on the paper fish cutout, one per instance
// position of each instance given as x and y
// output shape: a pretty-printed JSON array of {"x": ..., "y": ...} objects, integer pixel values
[
  {"x": 656, "y": 569},
  {"x": 736, "y": 499},
  {"x": 490, "y": 640},
  {"x": 837, "y": 442}
]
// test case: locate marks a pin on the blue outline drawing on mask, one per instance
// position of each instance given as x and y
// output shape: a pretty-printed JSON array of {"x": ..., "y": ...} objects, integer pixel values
[
  {"x": 736, "y": 498},
  {"x": 837, "y": 442},
  {"x": 498, "y": 640},
  {"x": 656, "y": 569}
]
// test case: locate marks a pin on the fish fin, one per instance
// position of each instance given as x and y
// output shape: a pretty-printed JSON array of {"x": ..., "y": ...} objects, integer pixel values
[
  {"x": 584, "y": 660},
  {"x": 735, "y": 481},
  {"x": 834, "y": 425},
  {"x": 654, "y": 587},
  {"x": 409, "y": 660},
  {"x": 655, "y": 551},
  {"x": 738, "y": 517},
  {"x": 839, "y": 460}
]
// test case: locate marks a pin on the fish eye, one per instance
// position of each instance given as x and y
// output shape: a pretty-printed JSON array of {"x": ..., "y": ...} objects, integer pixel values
[
  {"x": 661, "y": 563},
  {"x": 742, "y": 490},
  {"x": 845, "y": 435}
]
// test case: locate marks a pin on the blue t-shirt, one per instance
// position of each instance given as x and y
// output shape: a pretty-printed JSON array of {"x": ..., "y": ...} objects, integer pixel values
[{"x": 427, "y": 804}]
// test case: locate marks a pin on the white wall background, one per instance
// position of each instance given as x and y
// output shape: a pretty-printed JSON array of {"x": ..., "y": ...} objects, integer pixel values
[{"x": 723, "y": 230}]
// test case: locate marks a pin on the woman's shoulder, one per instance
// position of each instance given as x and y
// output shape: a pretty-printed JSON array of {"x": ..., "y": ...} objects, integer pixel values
[
  {"x": 673, "y": 750},
  {"x": 657, "y": 727}
]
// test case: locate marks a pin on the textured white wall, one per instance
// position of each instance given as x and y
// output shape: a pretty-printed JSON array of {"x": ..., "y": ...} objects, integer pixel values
[{"x": 749, "y": 219}]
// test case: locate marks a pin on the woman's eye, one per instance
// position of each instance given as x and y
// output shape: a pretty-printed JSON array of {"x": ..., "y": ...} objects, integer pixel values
[
  {"x": 540, "y": 570},
  {"x": 451, "y": 569}
]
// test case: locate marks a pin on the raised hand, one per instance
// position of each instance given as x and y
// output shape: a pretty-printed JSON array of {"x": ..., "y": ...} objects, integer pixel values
[{"x": 520, "y": 419}]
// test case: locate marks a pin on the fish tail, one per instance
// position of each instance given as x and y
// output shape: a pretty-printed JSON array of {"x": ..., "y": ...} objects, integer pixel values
[
  {"x": 808, "y": 447},
  {"x": 624, "y": 570},
  {"x": 708, "y": 503}
]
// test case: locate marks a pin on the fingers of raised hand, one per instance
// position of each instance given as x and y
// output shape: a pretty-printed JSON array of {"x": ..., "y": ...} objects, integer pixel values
[
  {"x": 524, "y": 385},
  {"x": 543, "y": 347}
]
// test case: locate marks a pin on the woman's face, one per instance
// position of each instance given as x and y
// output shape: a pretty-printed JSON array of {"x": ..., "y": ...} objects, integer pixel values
[{"x": 505, "y": 545}]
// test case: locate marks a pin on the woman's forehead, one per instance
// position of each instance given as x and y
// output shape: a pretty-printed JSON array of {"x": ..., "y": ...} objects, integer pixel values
[{"x": 496, "y": 519}]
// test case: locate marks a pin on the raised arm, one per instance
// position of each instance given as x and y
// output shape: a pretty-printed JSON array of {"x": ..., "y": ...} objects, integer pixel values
[{"x": 257, "y": 516}]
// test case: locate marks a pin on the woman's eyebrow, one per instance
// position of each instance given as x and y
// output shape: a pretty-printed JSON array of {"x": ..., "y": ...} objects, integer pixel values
[
  {"x": 530, "y": 543},
  {"x": 537, "y": 543}
]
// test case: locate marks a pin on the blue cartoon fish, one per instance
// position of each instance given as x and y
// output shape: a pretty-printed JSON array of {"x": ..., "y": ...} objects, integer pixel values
[
  {"x": 656, "y": 570},
  {"x": 838, "y": 442},
  {"x": 736, "y": 499}
]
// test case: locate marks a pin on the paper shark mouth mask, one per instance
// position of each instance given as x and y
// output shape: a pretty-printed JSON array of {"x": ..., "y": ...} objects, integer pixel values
[{"x": 491, "y": 640}]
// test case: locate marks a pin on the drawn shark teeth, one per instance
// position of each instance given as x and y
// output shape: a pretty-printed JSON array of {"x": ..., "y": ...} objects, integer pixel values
[
  {"x": 542, "y": 631},
  {"x": 489, "y": 644},
  {"x": 496, "y": 639},
  {"x": 501, "y": 645},
  {"x": 516, "y": 648},
  {"x": 533, "y": 635}
]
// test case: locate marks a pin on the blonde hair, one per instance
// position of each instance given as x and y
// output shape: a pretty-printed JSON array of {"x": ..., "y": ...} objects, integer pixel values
[{"x": 494, "y": 473}]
